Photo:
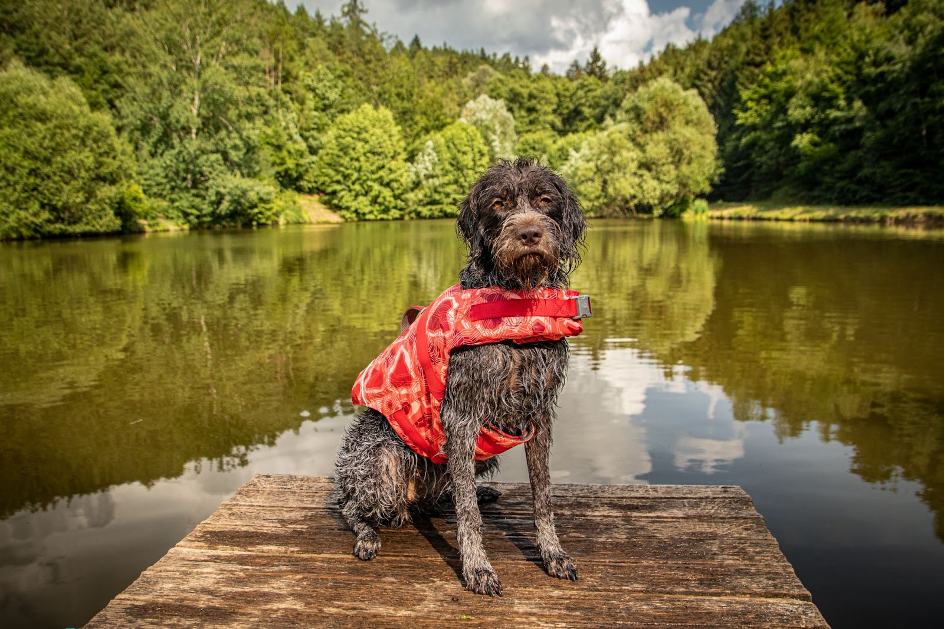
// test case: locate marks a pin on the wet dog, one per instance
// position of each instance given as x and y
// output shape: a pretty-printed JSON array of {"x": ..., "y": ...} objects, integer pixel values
[{"x": 525, "y": 230}]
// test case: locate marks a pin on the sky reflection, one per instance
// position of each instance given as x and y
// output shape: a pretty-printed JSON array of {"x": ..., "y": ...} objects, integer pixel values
[
  {"x": 623, "y": 419},
  {"x": 144, "y": 380}
]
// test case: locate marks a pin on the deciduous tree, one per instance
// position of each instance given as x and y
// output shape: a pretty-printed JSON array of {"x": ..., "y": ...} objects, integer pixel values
[
  {"x": 495, "y": 123},
  {"x": 445, "y": 169},
  {"x": 63, "y": 169},
  {"x": 362, "y": 168}
]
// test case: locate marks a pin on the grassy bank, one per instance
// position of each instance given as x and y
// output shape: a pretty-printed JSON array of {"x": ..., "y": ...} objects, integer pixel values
[
  {"x": 316, "y": 212},
  {"x": 771, "y": 211},
  {"x": 308, "y": 209}
]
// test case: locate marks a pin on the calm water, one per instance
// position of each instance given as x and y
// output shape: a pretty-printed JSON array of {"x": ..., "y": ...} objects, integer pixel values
[{"x": 143, "y": 380}]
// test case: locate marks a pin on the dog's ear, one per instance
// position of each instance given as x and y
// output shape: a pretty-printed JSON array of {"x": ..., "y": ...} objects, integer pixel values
[
  {"x": 467, "y": 223},
  {"x": 573, "y": 224}
]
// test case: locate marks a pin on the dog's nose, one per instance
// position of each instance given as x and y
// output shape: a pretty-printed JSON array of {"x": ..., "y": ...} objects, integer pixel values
[{"x": 530, "y": 235}]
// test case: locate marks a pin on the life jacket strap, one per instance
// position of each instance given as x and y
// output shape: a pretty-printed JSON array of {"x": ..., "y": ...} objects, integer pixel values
[{"x": 577, "y": 307}]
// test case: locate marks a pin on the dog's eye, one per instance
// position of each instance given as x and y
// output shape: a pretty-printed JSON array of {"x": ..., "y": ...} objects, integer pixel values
[
  {"x": 498, "y": 204},
  {"x": 544, "y": 201}
]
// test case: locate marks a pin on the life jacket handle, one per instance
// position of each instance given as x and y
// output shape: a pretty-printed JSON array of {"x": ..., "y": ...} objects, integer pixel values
[{"x": 410, "y": 315}]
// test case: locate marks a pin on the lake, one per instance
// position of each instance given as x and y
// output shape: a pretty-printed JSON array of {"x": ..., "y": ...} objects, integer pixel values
[{"x": 144, "y": 379}]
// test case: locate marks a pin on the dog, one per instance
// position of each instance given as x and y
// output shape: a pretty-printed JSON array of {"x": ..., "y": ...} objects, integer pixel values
[{"x": 524, "y": 229}]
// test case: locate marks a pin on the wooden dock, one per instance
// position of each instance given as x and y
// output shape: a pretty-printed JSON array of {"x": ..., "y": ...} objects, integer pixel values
[{"x": 278, "y": 554}]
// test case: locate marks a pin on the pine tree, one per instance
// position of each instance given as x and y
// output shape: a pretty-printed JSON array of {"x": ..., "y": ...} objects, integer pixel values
[{"x": 596, "y": 66}]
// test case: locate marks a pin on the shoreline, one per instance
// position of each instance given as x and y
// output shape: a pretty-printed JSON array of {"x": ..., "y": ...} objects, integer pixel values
[
  {"x": 315, "y": 213},
  {"x": 922, "y": 217}
]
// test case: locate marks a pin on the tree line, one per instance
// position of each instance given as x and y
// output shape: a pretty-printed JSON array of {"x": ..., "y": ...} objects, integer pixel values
[{"x": 119, "y": 113}]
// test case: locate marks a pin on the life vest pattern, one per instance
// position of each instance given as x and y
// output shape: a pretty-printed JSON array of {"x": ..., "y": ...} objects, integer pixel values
[{"x": 407, "y": 381}]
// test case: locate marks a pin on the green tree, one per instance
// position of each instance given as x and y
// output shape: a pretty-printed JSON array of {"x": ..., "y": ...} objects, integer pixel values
[
  {"x": 285, "y": 149},
  {"x": 79, "y": 39},
  {"x": 851, "y": 117},
  {"x": 531, "y": 99},
  {"x": 606, "y": 175},
  {"x": 495, "y": 123},
  {"x": 596, "y": 66},
  {"x": 320, "y": 104},
  {"x": 676, "y": 136},
  {"x": 656, "y": 161},
  {"x": 362, "y": 168},
  {"x": 445, "y": 169},
  {"x": 63, "y": 169},
  {"x": 478, "y": 80},
  {"x": 550, "y": 148},
  {"x": 198, "y": 109},
  {"x": 581, "y": 104}
]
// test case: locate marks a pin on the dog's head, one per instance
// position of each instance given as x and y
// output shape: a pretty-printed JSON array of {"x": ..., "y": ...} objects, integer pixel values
[{"x": 523, "y": 226}]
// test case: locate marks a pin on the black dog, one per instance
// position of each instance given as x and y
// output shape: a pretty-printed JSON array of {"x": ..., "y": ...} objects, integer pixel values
[{"x": 524, "y": 229}]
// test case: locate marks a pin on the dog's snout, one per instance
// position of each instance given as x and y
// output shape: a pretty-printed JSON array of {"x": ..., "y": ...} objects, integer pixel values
[{"x": 530, "y": 235}]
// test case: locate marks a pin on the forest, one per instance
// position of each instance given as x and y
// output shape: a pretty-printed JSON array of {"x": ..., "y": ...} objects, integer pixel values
[{"x": 127, "y": 115}]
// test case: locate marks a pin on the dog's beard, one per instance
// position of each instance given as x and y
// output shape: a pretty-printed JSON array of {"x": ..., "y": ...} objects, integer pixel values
[
  {"x": 529, "y": 266},
  {"x": 530, "y": 269}
]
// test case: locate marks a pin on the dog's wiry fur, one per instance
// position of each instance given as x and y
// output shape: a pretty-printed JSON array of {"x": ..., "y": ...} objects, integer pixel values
[{"x": 524, "y": 229}]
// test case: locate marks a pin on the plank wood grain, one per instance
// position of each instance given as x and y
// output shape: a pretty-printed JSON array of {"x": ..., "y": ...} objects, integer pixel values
[{"x": 278, "y": 554}]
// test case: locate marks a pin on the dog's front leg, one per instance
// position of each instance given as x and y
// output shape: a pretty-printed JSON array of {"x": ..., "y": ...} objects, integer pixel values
[
  {"x": 557, "y": 562},
  {"x": 478, "y": 573}
]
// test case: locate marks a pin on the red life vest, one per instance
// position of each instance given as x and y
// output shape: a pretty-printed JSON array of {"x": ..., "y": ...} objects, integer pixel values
[{"x": 407, "y": 381}]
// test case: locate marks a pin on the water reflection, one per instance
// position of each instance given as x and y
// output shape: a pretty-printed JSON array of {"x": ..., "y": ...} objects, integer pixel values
[
  {"x": 836, "y": 329},
  {"x": 143, "y": 380}
]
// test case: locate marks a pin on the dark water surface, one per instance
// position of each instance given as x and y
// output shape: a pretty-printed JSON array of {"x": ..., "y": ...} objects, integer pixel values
[{"x": 143, "y": 380}]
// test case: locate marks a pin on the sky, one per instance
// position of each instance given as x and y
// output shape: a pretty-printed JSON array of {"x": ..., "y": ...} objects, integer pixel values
[{"x": 553, "y": 32}]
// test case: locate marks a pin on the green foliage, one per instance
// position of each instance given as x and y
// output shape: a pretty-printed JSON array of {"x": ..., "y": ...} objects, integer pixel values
[
  {"x": 287, "y": 208},
  {"x": 286, "y": 151},
  {"x": 79, "y": 39},
  {"x": 132, "y": 209},
  {"x": 63, "y": 170},
  {"x": 242, "y": 201},
  {"x": 538, "y": 145},
  {"x": 550, "y": 148},
  {"x": 655, "y": 161},
  {"x": 318, "y": 110},
  {"x": 495, "y": 123},
  {"x": 532, "y": 100},
  {"x": 478, "y": 80},
  {"x": 699, "y": 208},
  {"x": 822, "y": 100},
  {"x": 596, "y": 66},
  {"x": 445, "y": 169},
  {"x": 827, "y": 101},
  {"x": 362, "y": 168},
  {"x": 605, "y": 173},
  {"x": 676, "y": 136},
  {"x": 199, "y": 118},
  {"x": 583, "y": 104}
]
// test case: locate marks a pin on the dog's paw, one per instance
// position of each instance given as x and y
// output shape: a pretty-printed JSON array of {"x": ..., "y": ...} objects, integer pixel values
[
  {"x": 484, "y": 581},
  {"x": 366, "y": 548},
  {"x": 486, "y": 495},
  {"x": 561, "y": 565}
]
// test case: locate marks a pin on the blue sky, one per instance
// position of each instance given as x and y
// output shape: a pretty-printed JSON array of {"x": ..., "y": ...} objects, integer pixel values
[{"x": 548, "y": 31}]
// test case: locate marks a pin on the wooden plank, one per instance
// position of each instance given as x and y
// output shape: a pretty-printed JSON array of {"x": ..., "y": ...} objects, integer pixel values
[
  {"x": 619, "y": 576},
  {"x": 278, "y": 553}
]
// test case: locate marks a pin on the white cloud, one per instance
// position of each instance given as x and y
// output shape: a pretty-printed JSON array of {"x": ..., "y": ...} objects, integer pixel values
[
  {"x": 719, "y": 14},
  {"x": 555, "y": 32}
]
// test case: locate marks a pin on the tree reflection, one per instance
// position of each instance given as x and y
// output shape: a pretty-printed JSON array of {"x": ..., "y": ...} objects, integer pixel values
[
  {"x": 125, "y": 359},
  {"x": 837, "y": 328}
]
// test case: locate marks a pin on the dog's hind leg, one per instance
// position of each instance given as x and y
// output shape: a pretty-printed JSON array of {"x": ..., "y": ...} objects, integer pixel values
[
  {"x": 367, "y": 541},
  {"x": 372, "y": 471}
]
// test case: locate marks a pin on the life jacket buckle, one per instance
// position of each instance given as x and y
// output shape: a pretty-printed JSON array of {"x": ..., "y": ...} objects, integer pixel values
[{"x": 583, "y": 303}]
